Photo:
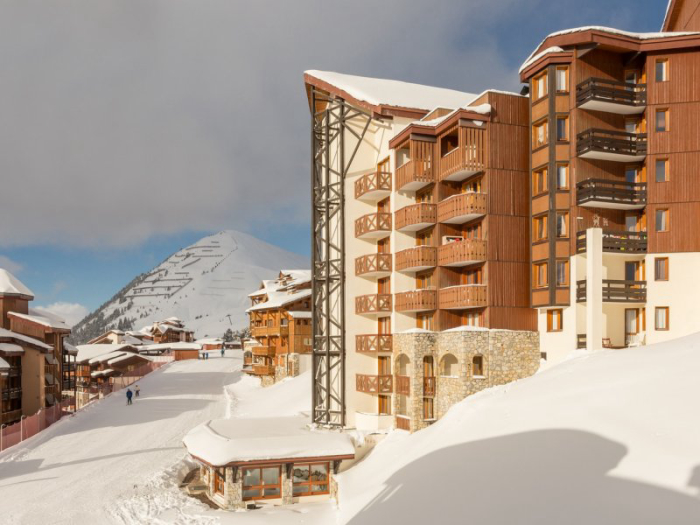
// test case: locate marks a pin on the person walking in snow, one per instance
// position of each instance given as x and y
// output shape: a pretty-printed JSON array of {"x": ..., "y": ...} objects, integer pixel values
[
  {"x": 137, "y": 390},
  {"x": 129, "y": 393},
  {"x": 222, "y": 351}
]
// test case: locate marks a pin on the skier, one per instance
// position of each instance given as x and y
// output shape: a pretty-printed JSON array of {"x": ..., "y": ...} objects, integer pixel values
[
  {"x": 137, "y": 390},
  {"x": 129, "y": 393}
]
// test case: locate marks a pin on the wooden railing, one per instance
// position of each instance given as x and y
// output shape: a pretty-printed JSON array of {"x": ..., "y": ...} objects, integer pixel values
[
  {"x": 617, "y": 242},
  {"x": 15, "y": 371},
  {"x": 415, "y": 301},
  {"x": 610, "y": 141},
  {"x": 373, "y": 263},
  {"x": 468, "y": 157},
  {"x": 377, "y": 181},
  {"x": 461, "y": 205},
  {"x": 403, "y": 423},
  {"x": 415, "y": 214},
  {"x": 373, "y": 304},
  {"x": 429, "y": 386},
  {"x": 9, "y": 417},
  {"x": 373, "y": 343},
  {"x": 464, "y": 296},
  {"x": 264, "y": 351},
  {"x": 462, "y": 252},
  {"x": 267, "y": 331},
  {"x": 403, "y": 385},
  {"x": 612, "y": 91},
  {"x": 372, "y": 223},
  {"x": 611, "y": 191},
  {"x": 263, "y": 370},
  {"x": 11, "y": 393},
  {"x": 414, "y": 171},
  {"x": 616, "y": 291},
  {"x": 371, "y": 384},
  {"x": 418, "y": 257}
]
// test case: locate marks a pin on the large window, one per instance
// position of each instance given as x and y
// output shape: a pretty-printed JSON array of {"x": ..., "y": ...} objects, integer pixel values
[
  {"x": 471, "y": 318},
  {"x": 661, "y": 269},
  {"x": 662, "y": 220},
  {"x": 310, "y": 479},
  {"x": 539, "y": 181},
  {"x": 555, "y": 320},
  {"x": 472, "y": 276},
  {"x": 562, "y": 273},
  {"x": 261, "y": 483},
  {"x": 562, "y": 128},
  {"x": 661, "y": 169},
  {"x": 562, "y": 176},
  {"x": 539, "y": 228},
  {"x": 478, "y": 366},
  {"x": 562, "y": 224},
  {"x": 540, "y": 134},
  {"x": 540, "y": 275},
  {"x": 661, "y": 70},
  {"x": 662, "y": 318},
  {"x": 662, "y": 120},
  {"x": 425, "y": 321}
]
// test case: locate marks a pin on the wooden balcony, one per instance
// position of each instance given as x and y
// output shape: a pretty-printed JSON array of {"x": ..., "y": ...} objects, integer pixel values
[
  {"x": 374, "y": 265},
  {"x": 373, "y": 343},
  {"x": 269, "y": 331},
  {"x": 618, "y": 195},
  {"x": 373, "y": 187},
  {"x": 414, "y": 175},
  {"x": 600, "y": 94},
  {"x": 416, "y": 259},
  {"x": 467, "y": 159},
  {"x": 403, "y": 385},
  {"x": 370, "y": 384},
  {"x": 11, "y": 393},
  {"x": 373, "y": 226},
  {"x": 605, "y": 144},
  {"x": 403, "y": 423},
  {"x": 378, "y": 305},
  {"x": 461, "y": 208},
  {"x": 463, "y": 296},
  {"x": 263, "y": 370},
  {"x": 622, "y": 242},
  {"x": 616, "y": 291},
  {"x": 415, "y": 217},
  {"x": 264, "y": 351},
  {"x": 462, "y": 253},
  {"x": 429, "y": 386},
  {"x": 416, "y": 301}
]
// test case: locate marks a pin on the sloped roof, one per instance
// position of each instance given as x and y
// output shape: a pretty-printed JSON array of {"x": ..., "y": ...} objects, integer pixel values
[
  {"x": 97, "y": 352},
  {"x": 10, "y": 285},
  {"x": 283, "y": 290},
  {"x": 43, "y": 318},
  {"x": 21, "y": 338}
]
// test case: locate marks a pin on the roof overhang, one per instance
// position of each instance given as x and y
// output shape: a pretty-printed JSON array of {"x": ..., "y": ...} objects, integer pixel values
[
  {"x": 416, "y": 128},
  {"x": 253, "y": 462}
]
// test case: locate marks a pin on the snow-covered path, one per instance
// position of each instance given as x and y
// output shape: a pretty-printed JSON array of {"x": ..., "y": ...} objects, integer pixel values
[{"x": 103, "y": 464}]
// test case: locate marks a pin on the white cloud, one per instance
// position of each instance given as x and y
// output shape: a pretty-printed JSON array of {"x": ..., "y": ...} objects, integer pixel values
[
  {"x": 71, "y": 313},
  {"x": 10, "y": 265}
]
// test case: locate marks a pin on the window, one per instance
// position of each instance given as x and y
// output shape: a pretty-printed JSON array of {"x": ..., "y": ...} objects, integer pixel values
[
  {"x": 562, "y": 128},
  {"x": 261, "y": 483},
  {"x": 472, "y": 276},
  {"x": 539, "y": 181},
  {"x": 540, "y": 275},
  {"x": 661, "y": 318},
  {"x": 540, "y": 134},
  {"x": 562, "y": 176},
  {"x": 424, "y": 238},
  {"x": 428, "y": 412},
  {"x": 555, "y": 320},
  {"x": 284, "y": 322},
  {"x": 661, "y": 168},
  {"x": 478, "y": 366},
  {"x": 661, "y": 269},
  {"x": 472, "y": 231},
  {"x": 384, "y": 404},
  {"x": 562, "y": 273},
  {"x": 471, "y": 318},
  {"x": 631, "y": 174},
  {"x": 219, "y": 479},
  {"x": 424, "y": 281},
  {"x": 662, "y": 220},
  {"x": 424, "y": 321},
  {"x": 661, "y": 70},
  {"x": 449, "y": 366},
  {"x": 562, "y": 224},
  {"x": 424, "y": 197},
  {"x": 540, "y": 86},
  {"x": 307, "y": 341},
  {"x": 310, "y": 479},
  {"x": 539, "y": 228},
  {"x": 472, "y": 186},
  {"x": 662, "y": 120},
  {"x": 562, "y": 79}
]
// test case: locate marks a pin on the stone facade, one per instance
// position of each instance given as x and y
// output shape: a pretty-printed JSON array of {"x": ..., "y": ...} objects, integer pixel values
[{"x": 502, "y": 355}]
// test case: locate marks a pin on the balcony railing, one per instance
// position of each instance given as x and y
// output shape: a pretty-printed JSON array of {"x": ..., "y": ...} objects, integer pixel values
[
  {"x": 403, "y": 385},
  {"x": 605, "y": 144},
  {"x": 373, "y": 304},
  {"x": 416, "y": 301},
  {"x": 616, "y": 291},
  {"x": 373, "y": 226},
  {"x": 11, "y": 393},
  {"x": 465, "y": 160},
  {"x": 461, "y": 208},
  {"x": 462, "y": 253},
  {"x": 464, "y": 296},
  {"x": 264, "y": 351},
  {"x": 429, "y": 386},
  {"x": 628, "y": 243},
  {"x": 416, "y": 259},
  {"x": 414, "y": 175},
  {"x": 373, "y": 187},
  {"x": 599, "y": 94},
  {"x": 373, "y": 265},
  {"x": 263, "y": 370},
  {"x": 603, "y": 193},
  {"x": 370, "y": 384},
  {"x": 10, "y": 417},
  {"x": 15, "y": 371},
  {"x": 269, "y": 331},
  {"x": 415, "y": 217},
  {"x": 373, "y": 343}
]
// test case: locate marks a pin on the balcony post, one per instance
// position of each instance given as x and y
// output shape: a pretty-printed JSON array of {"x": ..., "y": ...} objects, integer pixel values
[{"x": 594, "y": 288}]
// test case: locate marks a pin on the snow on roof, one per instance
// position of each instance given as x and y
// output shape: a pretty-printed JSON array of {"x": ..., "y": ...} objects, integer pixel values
[
  {"x": 224, "y": 441},
  {"x": 96, "y": 352},
  {"x": 170, "y": 346},
  {"x": 300, "y": 315},
  {"x": 279, "y": 299},
  {"x": 8, "y": 334},
  {"x": 125, "y": 357},
  {"x": 10, "y": 285},
  {"x": 395, "y": 93},
  {"x": 11, "y": 348},
  {"x": 69, "y": 348},
  {"x": 209, "y": 341},
  {"x": 282, "y": 291},
  {"x": 4, "y": 365},
  {"x": 42, "y": 318},
  {"x": 535, "y": 57}
]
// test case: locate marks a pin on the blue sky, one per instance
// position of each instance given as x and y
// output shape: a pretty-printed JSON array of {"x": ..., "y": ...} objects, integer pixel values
[{"x": 167, "y": 121}]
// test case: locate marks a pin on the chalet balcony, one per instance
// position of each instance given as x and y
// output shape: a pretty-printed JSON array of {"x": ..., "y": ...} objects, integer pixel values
[
  {"x": 370, "y": 384},
  {"x": 373, "y": 187},
  {"x": 270, "y": 331},
  {"x": 415, "y": 217},
  {"x": 429, "y": 386},
  {"x": 463, "y": 296},
  {"x": 262, "y": 370},
  {"x": 617, "y": 195},
  {"x": 376, "y": 305},
  {"x": 14, "y": 371},
  {"x": 462, "y": 253},
  {"x": 465, "y": 160},
  {"x": 416, "y": 259},
  {"x": 622, "y": 242},
  {"x": 373, "y": 343},
  {"x": 403, "y": 385},
  {"x": 264, "y": 351},
  {"x": 616, "y": 291},
  {"x": 373, "y": 266},
  {"x": 416, "y": 301},
  {"x": 599, "y": 94},
  {"x": 606, "y": 144},
  {"x": 373, "y": 226},
  {"x": 461, "y": 208},
  {"x": 11, "y": 393},
  {"x": 414, "y": 175}
]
